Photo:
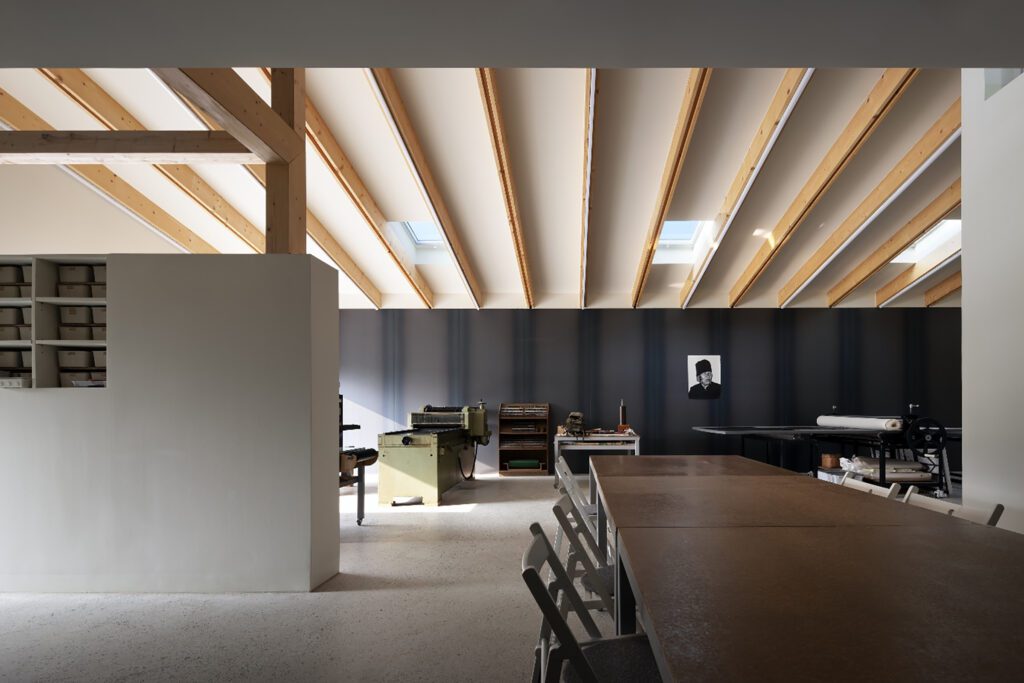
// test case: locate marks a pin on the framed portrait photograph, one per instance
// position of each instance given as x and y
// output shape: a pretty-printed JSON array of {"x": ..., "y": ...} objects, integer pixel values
[{"x": 704, "y": 375}]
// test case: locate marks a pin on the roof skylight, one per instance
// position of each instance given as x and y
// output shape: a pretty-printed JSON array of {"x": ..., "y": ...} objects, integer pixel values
[
  {"x": 929, "y": 242},
  {"x": 423, "y": 233},
  {"x": 679, "y": 241},
  {"x": 679, "y": 232}
]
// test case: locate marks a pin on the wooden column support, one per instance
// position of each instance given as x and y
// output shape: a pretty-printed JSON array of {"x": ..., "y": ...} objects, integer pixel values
[{"x": 286, "y": 180}]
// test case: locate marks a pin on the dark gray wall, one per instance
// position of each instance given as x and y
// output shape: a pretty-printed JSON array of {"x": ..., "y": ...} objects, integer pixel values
[{"x": 778, "y": 366}]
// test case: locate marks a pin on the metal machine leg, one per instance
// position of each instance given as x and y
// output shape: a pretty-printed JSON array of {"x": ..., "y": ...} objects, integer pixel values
[{"x": 360, "y": 493}]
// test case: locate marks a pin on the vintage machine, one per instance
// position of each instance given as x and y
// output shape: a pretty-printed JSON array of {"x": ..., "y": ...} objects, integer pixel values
[{"x": 428, "y": 459}]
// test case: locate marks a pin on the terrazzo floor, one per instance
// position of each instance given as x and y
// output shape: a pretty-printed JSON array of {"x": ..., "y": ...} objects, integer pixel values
[{"x": 423, "y": 595}]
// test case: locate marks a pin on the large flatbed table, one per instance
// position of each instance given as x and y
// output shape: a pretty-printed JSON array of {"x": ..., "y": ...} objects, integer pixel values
[{"x": 765, "y": 577}]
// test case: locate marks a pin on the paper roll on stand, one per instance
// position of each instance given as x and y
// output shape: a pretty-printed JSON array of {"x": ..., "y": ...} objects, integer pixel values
[{"x": 883, "y": 424}]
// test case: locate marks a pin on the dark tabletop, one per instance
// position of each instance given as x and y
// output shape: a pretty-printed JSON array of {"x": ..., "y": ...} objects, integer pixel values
[
  {"x": 847, "y": 603},
  {"x": 682, "y": 465}
]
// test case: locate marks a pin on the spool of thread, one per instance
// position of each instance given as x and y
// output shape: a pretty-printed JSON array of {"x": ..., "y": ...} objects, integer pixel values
[{"x": 829, "y": 461}]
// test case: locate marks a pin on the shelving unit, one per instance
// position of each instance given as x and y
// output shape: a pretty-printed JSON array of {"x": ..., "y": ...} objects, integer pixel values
[
  {"x": 524, "y": 434},
  {"x": 58, "y": 331}
]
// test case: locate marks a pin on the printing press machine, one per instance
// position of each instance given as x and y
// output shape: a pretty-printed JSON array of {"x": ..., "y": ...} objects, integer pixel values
[{"x": 427, "y": 459}]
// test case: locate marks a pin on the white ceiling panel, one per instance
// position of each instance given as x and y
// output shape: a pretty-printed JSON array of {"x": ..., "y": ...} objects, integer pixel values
[{"x": 447, "y": 113}]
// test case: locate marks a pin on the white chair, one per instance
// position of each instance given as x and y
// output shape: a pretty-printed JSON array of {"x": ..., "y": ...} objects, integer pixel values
[
  {"x": 594, "y": 572},
  {"x": 986, "y": 517},
  {"x": 858, "y": 485},
  {"x": 940, "y": 505},
  {"x": 567, "y": 481},
  {"x": 619, "y": 658}
]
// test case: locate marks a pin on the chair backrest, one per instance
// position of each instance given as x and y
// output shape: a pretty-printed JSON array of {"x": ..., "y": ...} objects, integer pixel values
[
  {"x": 983, "y": 516},
  {"x": 568, "y": 483},
  {"x": 939, "y": 505},
  {"x": 549, "y": 656},
  {"x": 858, "y": 485},
  {"x": 580, "y": 541}
]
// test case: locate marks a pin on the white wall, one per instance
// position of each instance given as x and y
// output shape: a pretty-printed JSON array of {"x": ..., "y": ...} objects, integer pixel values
[
  {"x": 993, "y": 316},
  {"x": 49, "y": 211},
  {"x": 209, "y": 462}
]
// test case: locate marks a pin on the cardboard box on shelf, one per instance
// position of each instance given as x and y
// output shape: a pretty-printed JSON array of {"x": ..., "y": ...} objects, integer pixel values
[
  {"x": 26, "y": 316},
  {"x": 73, "y": 290},
  {"x": 8, "y": 333},
  {"x": 75, "y": 315},
  {"x": 74, "y": 358},
  {"x": 9, "y": 274},
  {"x": 99, "y": 274},
  {"x": 9, "y": 291},
  {"x": 26, "y": 274},
  {"x": 99, "y": 315},
  {"x": 99, "y": 291},
  {"x": 26, "y": 290},
  {"x": 74, "y": 333},
  {"x": 26, "y": 359},
  {"x": 25, "y": 332},
  {"x": 99, "y": 359},
  {"x": 10, "y": 359},
  {"x": 66, "y": 378},
  {"x": 10, "y": 316},
  {"x": 99, "y": 333},
  {"x": 75, "y": 274}
]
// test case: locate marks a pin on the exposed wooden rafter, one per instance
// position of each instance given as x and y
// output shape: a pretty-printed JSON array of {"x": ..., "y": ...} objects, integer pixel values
[
  {"x": 496, "y": 128},
  {"x": 792, "y": 86},
  {"x": 327, "y": 146},
  {"x": 120, "y": 147},
  {"x": 925, "y": 151},
  {"x": 229, "y": 101},
  {"x": 286, "y": 178},
  {"x": 873, "y": 110},
  {"x": 918, "y": 272},
  {"x": 937, "y": 209},
  {"x": 314, "y": 226},
  {"x": 17, "y": 116},
  {"x": 82, "y": 89},
  {"x": 686, "y": 122},
  {"x": 589, "y": 117},
  {"x": 384, "y": 86},
  {"x": 951, "y": 284}
]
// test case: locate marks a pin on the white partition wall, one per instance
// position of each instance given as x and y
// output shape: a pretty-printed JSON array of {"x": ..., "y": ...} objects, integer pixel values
[
  {"x": 993, "y": 317},
  {"x": 209, "y": 462}
]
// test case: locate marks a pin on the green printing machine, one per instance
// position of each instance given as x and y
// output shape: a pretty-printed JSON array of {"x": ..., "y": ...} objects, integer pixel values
[{"x": 425, "y": 461}]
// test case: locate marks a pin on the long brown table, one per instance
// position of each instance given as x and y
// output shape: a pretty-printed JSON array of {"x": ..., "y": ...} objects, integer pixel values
[{"x": 765, "y": 577}]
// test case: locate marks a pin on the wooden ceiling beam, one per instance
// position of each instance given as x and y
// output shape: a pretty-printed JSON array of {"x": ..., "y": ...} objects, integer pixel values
[
  {"x": 326, "y": 241},
  {"x": 925, "y": 220},
  {"x": 589, "y": 117},
  {"x": 792, "y": 86},
  {"x": 879, "y": 102},
  {"x": 83, "y": 90},
  {"x": 16, "y": 115},
  {"x": 917, "y": 272},
  {"x": 286, "y": 179},
  {"x": 383, "y": 83},
  {"x": 686, "y": 122},
  {"x": 951, "y": 284},
  {"x": 499, "y": 145},
  {"x": 239, "y": 110},
  {"x": 120, "y": 147},
  {"x": 327, "y": 146},
  {"x": 925, "y": 151}
]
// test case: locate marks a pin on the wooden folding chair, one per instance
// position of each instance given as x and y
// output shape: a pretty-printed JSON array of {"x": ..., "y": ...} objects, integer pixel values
[
  {"x": 858, "y": 485},
  {"x": 594, "y": 572}
]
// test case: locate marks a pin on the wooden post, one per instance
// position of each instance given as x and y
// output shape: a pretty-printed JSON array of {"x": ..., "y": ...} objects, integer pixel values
[{"x": 286, "y": 181}]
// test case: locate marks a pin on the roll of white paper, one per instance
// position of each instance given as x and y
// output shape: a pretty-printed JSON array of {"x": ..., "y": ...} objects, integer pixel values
[{"x": 887, "y": 424}]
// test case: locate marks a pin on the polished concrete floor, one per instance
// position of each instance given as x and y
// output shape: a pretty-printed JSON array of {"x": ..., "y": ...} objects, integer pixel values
[{"x": 423, "y": 595}]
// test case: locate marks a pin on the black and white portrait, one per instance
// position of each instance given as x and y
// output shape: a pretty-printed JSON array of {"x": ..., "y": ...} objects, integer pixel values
[{"x": 702, "y": 371}]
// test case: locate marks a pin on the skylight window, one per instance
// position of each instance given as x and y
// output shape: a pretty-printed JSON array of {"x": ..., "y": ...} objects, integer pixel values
[
  {"x": 679, "y": 232},
  {"x": 929, "y": 242},
  {"x": 423, "y": 233},
  {"x": 679, "y": 240}
]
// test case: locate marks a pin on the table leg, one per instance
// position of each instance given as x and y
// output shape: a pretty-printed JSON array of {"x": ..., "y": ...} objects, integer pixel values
[
  {"x": 593, "y": 484},
  {"x": 360, "y": 492},
  {"x": 602, "y": 530},
  {"x": 625, "y": 601}
]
